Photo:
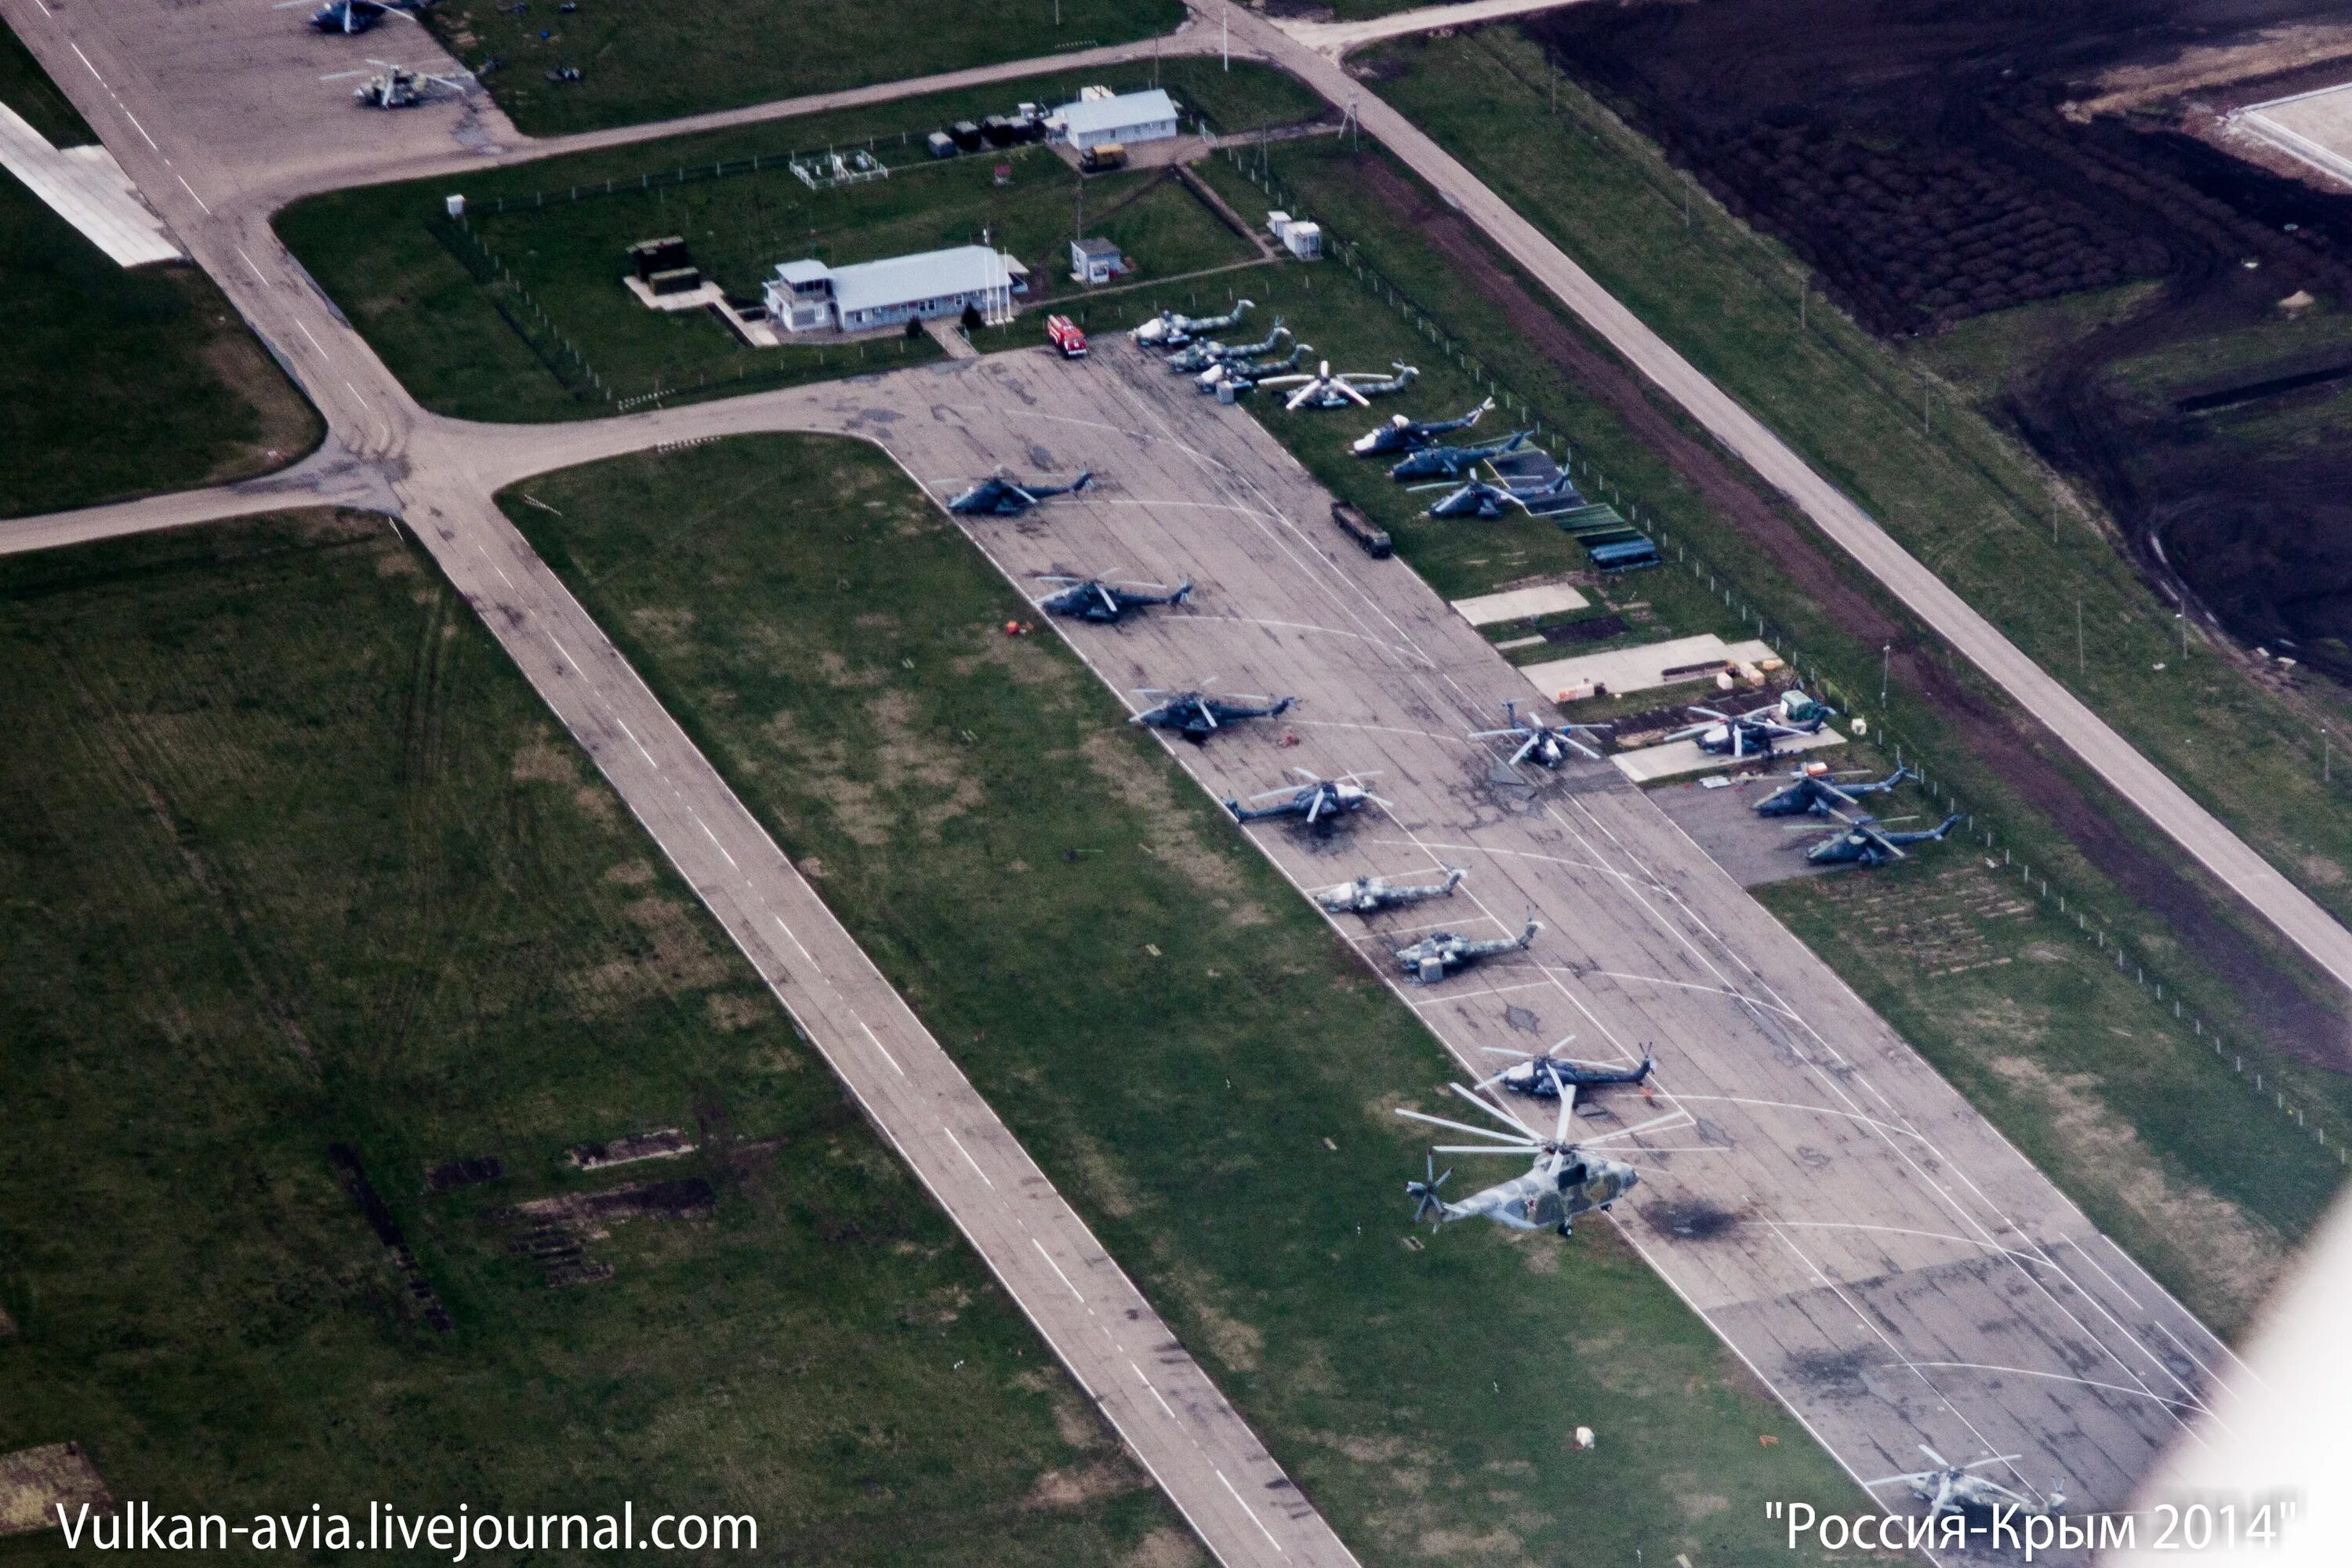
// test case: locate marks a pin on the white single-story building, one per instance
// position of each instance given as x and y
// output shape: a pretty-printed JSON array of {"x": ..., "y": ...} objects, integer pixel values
[
  {"x": 809, "y": 296},
  {"x": 1124, "y": 118},
  {"x": 1095, "y": 261}
]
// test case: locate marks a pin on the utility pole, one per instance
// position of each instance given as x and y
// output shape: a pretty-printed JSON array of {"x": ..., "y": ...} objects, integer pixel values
[
  {"x": 1804, "y": 293},
  {"x": 1886, "y": 665},
  {"x": 2326, "y": 756},
  {"x": 2081, "y": 661},
  {"x": 1225, "y": 32}
]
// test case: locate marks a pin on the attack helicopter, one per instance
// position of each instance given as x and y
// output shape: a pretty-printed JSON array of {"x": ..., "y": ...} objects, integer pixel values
[
  {"x": 1758, "y": 732},
  {"x": 1242, "y": 376},
  {"x": 1479, "y": 498},
  {"x": 1196, "y": 716},
  {"x": 1319, "y": 802},
  {"x": 1563, "y": 1183},
  {"x": 1107, "y": 603},
  {"x": 1172, "y": 330},
  {"x": 1370, "y": 895},
  {"x": 1200, "y": 353},
  {"x": 1548, "y": 1075},
  {"x": 1453, "y": 462},
  {"x": 1324, "y": 390},
  {"x": 1403, "y": 435},
  {"x": 1439, "y": 953},
  {"x": 997, "y": 496},
  {"x": 1546, "y": 745},
  {"x": 347, "y": 16},
  {"x": 1863, "y": 842},
  {"x": 1813, "y": 791},
  {"x": 397, "y": 87},
  {"x": 1955, "y": 1488}
]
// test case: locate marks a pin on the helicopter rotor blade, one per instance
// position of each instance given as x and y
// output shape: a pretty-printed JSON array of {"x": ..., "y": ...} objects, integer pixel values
[
  {"x": 1524, "y": 1136},
  {"x": 1518, "y": 1128}
]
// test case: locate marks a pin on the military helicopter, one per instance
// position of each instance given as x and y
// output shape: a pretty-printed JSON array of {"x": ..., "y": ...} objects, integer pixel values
[
  {"x": 1170, "y": 330},
  {"x": 1201, "y": 355},
  {"x": 1439, "y": 953},
  {"x": 1324, "y": 390},
  {"x": 1196, "y": 717},
  {"x": 1811, "y": 791},
  {"x": 1092, "y": 599},
  {"x": 347, "y": 17},
  {"x": 1864, "y": 842},
  {"x": 1403, "y": 435},
  {"x": 997, "y": 496},
  {"x": 1484, "y": 499},
  {"x": 1548, "y": 1076},
  {"x": 1755, "y": 732},
  {"x": 1320, "y": 802},
  {"x": 1370, "y": 895},
  {"x": 1546, "y": 745},
  {"x": 1563, "y": 1183},
  {"x": 1955, "y": 1488},
  {"x": 1453, "y": 462},
  {"x": 1242, "y": 376},
  {"x": 397, "y": 87}
]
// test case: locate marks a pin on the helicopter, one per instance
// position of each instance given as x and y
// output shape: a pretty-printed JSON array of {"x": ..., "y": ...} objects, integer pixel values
[
  {"x": 1196, "y": 717},
  {"x": 1811, "y": 791},
  {"x": 1092, "y": 599},
  {"x": 1953, "y": 1488},
  {"x": 1170, "y": 330},
  {"x": 1370, "y": 895},
  {"x": 1863, "y": 842},
  {"x": 1546, "y": 745},
  {"x": 1548, "y": 1076},
  {"x": 397, "y": 87},
  {"x": 1755, "y": 732},
  {"x": 1242, "y": 376},
  {"x": 1403, "y": 435},
  {"x": 1453, "y": 462},
  {"x": 1439, "y": 953},
  {"x": 1200, "y": 354},
  {"x": 1563, "y": 1183},
  {"x": 997, "y": 496},
  {"x": 1320, "y": 802},
  {"x": 1484, "y": 499},
  {"x": 1324, "y": 390},
  {"x": 347, "y": 16}
]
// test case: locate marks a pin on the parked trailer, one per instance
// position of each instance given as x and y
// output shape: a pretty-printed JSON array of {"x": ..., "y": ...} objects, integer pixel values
[
  {"x": 1369, "y": 535},
  {"x": 941, "y": 144},
  {"x": 1629, "y": 556}
]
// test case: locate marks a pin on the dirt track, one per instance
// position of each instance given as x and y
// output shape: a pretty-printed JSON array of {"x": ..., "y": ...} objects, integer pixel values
[{"x": 2289, "y": 1017}]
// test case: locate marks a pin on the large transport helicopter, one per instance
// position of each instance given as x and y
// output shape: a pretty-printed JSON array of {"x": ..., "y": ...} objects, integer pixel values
[
  {"x": 1563, "y": 1181},
  {"x": 1957, "y": 1488},
  {"x": 1320, "y": 803},
  {"x": 1453, "y": 462},
  {"x": 1173, "y": 330},
  {"x": 1201, "y": 354},
  {"x": 1370, "y": 895},
  {"x": 1000, "y": 496},
  {"x": 1403, "y": 435},
  {"x": 1863, "y": 842},
  {"x": 1813, "y": 791},
  {"x": 1546, "y": 745},
  {"x": 1759, "y": 730},
  {"x": 1324, "y": 390},
  {"x": 1440, "y": 953}
]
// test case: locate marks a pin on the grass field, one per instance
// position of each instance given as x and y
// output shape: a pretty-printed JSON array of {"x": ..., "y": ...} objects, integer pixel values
[
  {"x": 1959, "y": 495},
  {"x": 474, "y": 319},
  {"x": 639, "y": 61},
  {"x": 301, "y": 861},
  {"x": 116, "y": 384},
  {"x": 1190, "y": 1053}
]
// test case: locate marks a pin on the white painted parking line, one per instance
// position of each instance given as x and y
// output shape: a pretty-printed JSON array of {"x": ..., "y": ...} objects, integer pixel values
[
  {"x": 1055, "y": 1267},
  {"x": 967, "y": 1156}
]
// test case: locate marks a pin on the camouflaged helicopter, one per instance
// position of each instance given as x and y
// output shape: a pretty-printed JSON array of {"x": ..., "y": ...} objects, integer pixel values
[
  {"x": 1403, "y": 435},
  {"x": 1758, "y": 732},
  {"x": 1954, "y": 1489},
  {"x": 999, "y": 496},
  {"x": 1863, "y": 842},
  {"x": 1201, "y": 354},
  {"x": 1563, "y": 1182},
  {"x": 1197, "y": 716},
  {"x": 1546, "y": 745},
  {"x": 1173, "y": 330},
  {"x": 1453, "y": 462},
  {"x": 1484, "y": 499},
  {"x": 1440, "y": 953},
  {"x": 1107, "y": 603},
  {"x": 1324, "y": 390},
  {"x": 1546, "y": 1075},
  {"x": 1242, "y": 376},
  {"x": 1319, "y": 802},
  {"x": 1370, "y": 895},
  {"x": 1813, "y": 791}
]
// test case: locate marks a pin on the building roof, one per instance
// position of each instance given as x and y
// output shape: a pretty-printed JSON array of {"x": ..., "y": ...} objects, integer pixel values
[
  {"x": 872, "y": 285},
  {"x": 1095, "y": 247},
  {"x": 803, "y": 271},
  {"x": 1117, "y": 113}
]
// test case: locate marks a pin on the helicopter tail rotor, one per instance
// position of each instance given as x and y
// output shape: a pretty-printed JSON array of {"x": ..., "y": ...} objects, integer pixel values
[{"x": 1424, "y": 1193}]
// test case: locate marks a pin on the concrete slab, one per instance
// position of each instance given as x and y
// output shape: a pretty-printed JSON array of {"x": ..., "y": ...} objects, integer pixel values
[
  {"x": 85, "y": 186},
  {"x": 2313, "y": 128},
  {"x": 709, "y": 294},
  {"x": 1644, "y": 667},
  {"x": 1724, "y": 823},
  {"x": 1678, "y": 757},
  {"x": 1520, "y": 604}
]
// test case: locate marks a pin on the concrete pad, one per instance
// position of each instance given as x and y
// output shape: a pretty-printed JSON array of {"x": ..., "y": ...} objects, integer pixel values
[
  {"x": 709, "y": 294},
  {"x": 1653, "y": 762},
  {"x": 2314, "y": 128},
  {"x": 1520, "y": 604},
  {"x": 1724, "y": 823},
  {"x": 1644, "y": 667},
  {"x": 85, "y": 186}
]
